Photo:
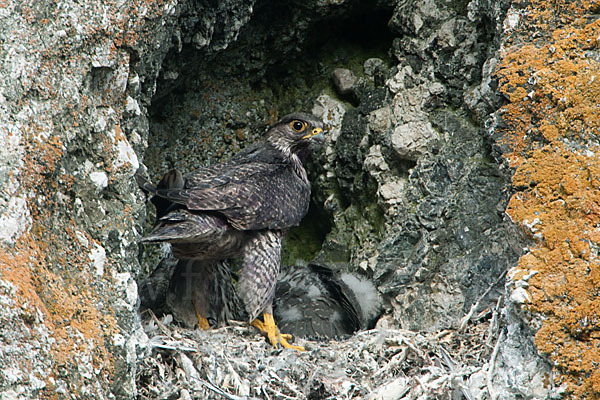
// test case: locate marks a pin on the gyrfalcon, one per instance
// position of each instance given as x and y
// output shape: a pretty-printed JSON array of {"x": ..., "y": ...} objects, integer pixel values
[{"x": 241, "y": 208}]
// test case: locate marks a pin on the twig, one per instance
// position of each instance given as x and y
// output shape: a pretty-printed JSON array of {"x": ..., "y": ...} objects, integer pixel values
[
  {"x": 420, "y": 382},
  {"x": 274, "y": 375},
  {"x": 447, "y": 359},
  {"x": 411, "y": 346},
  {"x": 454, "y": 373},
  {"x": 493, "y": 394},
  {"x": 277, "y": 394},
  {"x": 220, "y": 391},
  {"x": 465, "y": 320},
  {"x": 264, "y": 390},
  {"x": 282, "y": 395},
  {"x": 309, "y": 381},
  {"x": 397, "y": 359},
  {"x": 169, "y": 347},
  {"x": 351, "y": 392},
  {"x": 443, "y": 333},
  {"x": 493, "y": 323},
  {"x": 237, "y": 380},
  {"x": 160, "y": 325}
]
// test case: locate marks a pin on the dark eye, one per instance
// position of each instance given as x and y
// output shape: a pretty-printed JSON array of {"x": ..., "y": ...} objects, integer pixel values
[{"x": 298, "y": 125}]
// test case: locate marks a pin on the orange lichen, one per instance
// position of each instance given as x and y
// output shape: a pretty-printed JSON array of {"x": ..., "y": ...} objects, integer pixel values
[
  {"x": 42, "y": 264},
  {"x": 63, "y": 302},
  {"x": 552, "y": 120},
  {"x": 49, "y": 265}
]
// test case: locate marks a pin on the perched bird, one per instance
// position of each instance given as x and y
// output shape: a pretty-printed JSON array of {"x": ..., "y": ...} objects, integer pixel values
[
  {"x": 241, "y": 208},
  {"x": 316, "y": 302}
]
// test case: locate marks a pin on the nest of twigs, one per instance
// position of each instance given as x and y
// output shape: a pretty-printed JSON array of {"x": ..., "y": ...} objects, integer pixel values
[{"x": 235, "y": 362}]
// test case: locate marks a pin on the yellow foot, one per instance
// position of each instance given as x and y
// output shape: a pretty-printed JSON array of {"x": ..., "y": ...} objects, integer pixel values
[
  {"x": 269, "y": 329},
  {"x": 202, "y": 322}
]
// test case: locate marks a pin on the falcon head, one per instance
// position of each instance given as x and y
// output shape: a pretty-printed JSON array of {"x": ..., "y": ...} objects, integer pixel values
[{"x": 296, "y": 134}]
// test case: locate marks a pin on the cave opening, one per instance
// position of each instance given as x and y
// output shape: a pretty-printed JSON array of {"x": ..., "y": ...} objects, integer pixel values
[{"x": 211, "y": 103}]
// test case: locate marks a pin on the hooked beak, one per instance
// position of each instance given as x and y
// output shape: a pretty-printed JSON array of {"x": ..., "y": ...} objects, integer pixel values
[{"x": 316, "y": 134}]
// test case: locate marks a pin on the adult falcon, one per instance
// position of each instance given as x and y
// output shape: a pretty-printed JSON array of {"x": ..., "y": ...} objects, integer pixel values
[{"x": 242, "y": 208}]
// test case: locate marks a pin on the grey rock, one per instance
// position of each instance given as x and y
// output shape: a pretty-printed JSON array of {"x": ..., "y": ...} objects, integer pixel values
[
  {"x": 521, "y": 372},
  {"x": 412, "y": 140},
  {"x": 73, "y": 119},
  {"x": 343, "y": 80},
  {"x": 380, "y": 121},
  {"x": 377, "y": 70},
  {"x": 409, "y": 191}
]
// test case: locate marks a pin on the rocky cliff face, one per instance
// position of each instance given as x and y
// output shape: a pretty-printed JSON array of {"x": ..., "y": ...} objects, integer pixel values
[{"x": 459, "y": 175}]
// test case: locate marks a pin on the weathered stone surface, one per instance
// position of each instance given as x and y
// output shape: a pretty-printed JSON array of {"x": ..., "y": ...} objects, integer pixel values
[
  {"x": 376, "y": 69},
  {"x": 412, "y": 140},
  {"x": 410, "y": 190},
  {"x": 553, "y": 289},
  {"x": 75, "y": 80},
  {"x": 343, "y": 80}
]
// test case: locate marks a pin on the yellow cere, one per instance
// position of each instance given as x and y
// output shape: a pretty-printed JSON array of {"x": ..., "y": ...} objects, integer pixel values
[{"x": 314, "y": 132}]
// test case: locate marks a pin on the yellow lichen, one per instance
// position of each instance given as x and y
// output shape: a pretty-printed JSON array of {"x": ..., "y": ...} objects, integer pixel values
[{"x": 553, "y": 133}]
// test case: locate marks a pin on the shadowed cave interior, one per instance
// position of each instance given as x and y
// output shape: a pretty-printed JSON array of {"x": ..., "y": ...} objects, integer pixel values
[{"x": 210, "y": 104}]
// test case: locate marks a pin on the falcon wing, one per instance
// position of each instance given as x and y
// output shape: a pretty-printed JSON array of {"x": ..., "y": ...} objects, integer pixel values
[
  {"x": 312, "y": 302},
  {"x": 251, "y": 196},
  {"x": 171, "y": 180},
  {"x": 236, "y": 168},
  {"x": 185, "y": 226},
  {"x": 336, "y": 290},
  {"x": 198, "y": 235},
  {"x": 209, "y": 176}
]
